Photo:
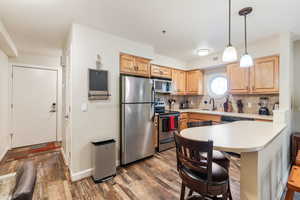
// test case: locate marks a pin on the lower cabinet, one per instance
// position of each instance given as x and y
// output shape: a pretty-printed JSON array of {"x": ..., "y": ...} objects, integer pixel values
[
  {"x": 204, "y": 117},
  {"x": 183, "y": 121}
]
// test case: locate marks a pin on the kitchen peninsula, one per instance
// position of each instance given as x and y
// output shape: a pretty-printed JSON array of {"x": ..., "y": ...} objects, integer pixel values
[{"x": 258, "y": 143}]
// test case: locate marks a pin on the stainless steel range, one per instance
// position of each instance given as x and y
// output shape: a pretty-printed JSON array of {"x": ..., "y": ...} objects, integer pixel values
[{"x": 168, "y": 124}]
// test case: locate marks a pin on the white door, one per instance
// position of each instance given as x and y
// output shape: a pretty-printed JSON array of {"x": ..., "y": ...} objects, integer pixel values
[{"x": 34, "y": 99}]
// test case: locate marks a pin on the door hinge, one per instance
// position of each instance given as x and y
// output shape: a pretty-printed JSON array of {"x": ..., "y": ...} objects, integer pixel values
[
  {"x": 12, "y": 75},
  {"x": 12, "y": 106}
]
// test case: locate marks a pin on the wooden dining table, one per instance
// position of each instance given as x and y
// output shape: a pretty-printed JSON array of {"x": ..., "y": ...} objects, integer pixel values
[{"x": 259, "y": 145}]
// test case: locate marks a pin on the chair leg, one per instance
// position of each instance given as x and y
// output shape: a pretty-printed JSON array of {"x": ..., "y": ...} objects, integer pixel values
[
  {"x": 190, "y": 193},
  {"x": 229, "y": 191},
  {"x": 289, "y": 195},
  {"x": 225, "y": 196},
  {"x": 182, "y": 191}
]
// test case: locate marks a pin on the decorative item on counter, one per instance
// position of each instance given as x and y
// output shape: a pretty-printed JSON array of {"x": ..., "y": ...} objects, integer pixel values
[
  {"x": 263, "y": 103},
  {"x": 240, "y": 106},
  {"x": 230, "y": 107},
  {"x": 171, "y": 102},
  {"x": 226, "y": 104}
]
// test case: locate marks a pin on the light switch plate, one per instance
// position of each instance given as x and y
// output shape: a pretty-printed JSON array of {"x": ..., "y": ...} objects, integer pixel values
[{"x": 84, "y": 107}]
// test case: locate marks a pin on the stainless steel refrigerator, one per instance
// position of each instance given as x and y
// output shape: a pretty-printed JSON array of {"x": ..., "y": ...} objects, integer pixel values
[{"x": 137, "y": 113}]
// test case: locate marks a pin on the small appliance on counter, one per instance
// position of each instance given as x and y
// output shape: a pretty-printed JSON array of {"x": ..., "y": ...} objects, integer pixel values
[
  {"x": 263, "y": 103},
  {"x": 168, "y": 124},
  {"x": 240, "y": 106},
  {"x": 184, "y": 105}
]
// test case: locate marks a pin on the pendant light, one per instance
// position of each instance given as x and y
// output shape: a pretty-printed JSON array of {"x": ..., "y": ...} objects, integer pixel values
[
  {"x": 230, "y": 53},
  {"x": 246, "y": 59}
]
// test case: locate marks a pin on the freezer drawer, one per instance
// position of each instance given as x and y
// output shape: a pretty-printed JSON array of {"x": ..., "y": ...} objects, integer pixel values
[
  {"x": 137, "y": 132},
  {"x": 103, "y": 160}
]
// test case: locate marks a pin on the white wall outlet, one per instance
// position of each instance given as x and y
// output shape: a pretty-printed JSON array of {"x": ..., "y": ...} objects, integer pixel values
[
  {"x": 84, "y": 107},
  {"x": 249, "y": 105}
]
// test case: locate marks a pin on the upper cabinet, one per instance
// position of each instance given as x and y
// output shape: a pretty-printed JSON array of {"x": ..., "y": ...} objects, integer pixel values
[
  {"x": 194, "y": 82},
  {"x": 134, "y": 65},
  {"x": 179, "y": 81},
  {"x": 265, "y": 75},
  {"x": 161, "y": 72},
  {"x": 262, "y": 78},
  {"x": 238, "y": 79}
]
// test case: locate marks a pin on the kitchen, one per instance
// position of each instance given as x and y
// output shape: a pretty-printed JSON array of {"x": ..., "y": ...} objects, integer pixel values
[
  {"x": 182, "y": 99},
  {"x": 144, "y": 89}
]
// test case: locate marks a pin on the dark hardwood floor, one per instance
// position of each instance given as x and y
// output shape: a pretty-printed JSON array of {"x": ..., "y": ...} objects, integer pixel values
[{"x": 154, "y": 178}]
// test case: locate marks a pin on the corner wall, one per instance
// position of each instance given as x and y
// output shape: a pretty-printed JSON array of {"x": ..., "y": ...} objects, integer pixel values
[
  {"x": 101, "y": 120},
  {"x": 4, "y": 105}
]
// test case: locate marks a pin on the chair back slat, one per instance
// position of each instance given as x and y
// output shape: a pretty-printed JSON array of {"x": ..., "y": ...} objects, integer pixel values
[{"x": 194, "y": 155}]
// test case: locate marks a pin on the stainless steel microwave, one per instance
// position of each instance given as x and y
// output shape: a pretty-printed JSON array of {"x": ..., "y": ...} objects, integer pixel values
[{"x": 163, "y": 86}]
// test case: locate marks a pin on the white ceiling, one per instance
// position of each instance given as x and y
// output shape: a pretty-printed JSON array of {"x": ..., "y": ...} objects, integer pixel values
[{"x": 42, "y": 25}]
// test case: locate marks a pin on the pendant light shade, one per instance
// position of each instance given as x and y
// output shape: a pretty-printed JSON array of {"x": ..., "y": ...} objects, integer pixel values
[
  {"x": 246, "y": 59},
  {"x": 230, "y": 53}
]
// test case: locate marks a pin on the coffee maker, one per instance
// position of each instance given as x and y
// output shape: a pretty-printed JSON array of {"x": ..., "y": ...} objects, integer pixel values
[{"x": 263, "y": 103}]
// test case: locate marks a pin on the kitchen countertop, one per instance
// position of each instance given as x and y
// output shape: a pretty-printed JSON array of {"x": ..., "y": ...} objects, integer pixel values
[
  {"x": 243, "y": 115},
  {"x": 238, "y": 137}
]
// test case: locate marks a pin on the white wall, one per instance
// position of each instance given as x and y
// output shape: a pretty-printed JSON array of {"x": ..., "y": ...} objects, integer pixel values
[
  {"x": 101, "y": 121},
  {"x": 296, "y": 100},
  {"x": 4, "y": 104},
  {"x": 264, "y": 47}
]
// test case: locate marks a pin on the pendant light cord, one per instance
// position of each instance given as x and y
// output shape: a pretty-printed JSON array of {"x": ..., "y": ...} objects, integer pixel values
[
  {"x": 229, "y": 24},
  {"x": 245, "y": 20}
]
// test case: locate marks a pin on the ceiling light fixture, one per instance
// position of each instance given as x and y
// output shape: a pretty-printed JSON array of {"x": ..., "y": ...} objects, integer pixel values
[
  {"x": 246, "y": 59},
  {"x": 230, "y": 53},
  {"x": 203, "y": 52}
]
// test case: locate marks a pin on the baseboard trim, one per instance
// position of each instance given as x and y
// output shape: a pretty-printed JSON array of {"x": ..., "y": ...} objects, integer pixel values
[
  {"x": 81, "y": 175},
  {"x": 3, "y": 154},
  {"x": 85, "y": 173},
  {"x": 284, "y": 182},
  {"x": 64, "y": 157}
]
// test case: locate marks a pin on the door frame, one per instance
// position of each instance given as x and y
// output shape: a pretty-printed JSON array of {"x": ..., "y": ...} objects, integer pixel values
[{"x": 58, "y": 96}]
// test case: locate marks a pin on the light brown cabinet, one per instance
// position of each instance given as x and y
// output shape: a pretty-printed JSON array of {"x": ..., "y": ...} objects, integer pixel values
[
  {"x": 161, "y": 72},
  {"x": 134, "y": 65},
  {"x": 183, "y": 121},
  {"x": 194, "y": 82},
  {"x": 238, "y": 79},
  {"x": 204, "y": 117},
  {"x": 262, "y": 78},
  {"x": 179, "y": 81},
  {"x": 265, "y": 75}
]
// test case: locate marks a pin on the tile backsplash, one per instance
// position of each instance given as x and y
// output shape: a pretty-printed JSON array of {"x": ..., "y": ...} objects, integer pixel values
[{"x": 250, "y": 102}]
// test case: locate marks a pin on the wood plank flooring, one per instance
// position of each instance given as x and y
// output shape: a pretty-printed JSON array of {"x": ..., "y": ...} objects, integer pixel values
[{"x": 155, "y": 178}]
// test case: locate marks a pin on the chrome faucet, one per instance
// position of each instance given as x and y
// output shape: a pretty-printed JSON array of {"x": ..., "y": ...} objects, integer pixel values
[{"x": 212, "y": 101}]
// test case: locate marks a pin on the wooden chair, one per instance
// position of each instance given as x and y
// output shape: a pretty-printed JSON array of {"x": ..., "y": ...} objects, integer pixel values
[
  {"x": 217, "y": 157},
  {"x": 197, "y": 171},
  {"x": 297, "y": 160},
  {"x": 293, "y": 184}
]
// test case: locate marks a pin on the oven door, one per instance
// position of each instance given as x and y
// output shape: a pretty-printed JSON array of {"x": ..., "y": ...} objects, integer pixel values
[{"x": 165, "y": 136}]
